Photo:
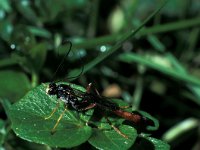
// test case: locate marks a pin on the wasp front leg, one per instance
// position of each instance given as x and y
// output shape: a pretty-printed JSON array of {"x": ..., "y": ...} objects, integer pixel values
[
  {"x": 57, "y": 122},
  {"x": 54, "y": 110}
]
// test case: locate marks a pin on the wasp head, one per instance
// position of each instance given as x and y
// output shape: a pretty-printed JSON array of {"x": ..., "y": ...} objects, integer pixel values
[{"x": 51, "y": 89}]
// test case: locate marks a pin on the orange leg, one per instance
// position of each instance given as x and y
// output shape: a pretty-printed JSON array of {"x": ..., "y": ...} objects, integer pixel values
[
  {"x": 88, "y": 89},
  {"x": 116, "y": 129},
  {"x": 124, "y": 107},
  {"x": 88, "y": 107}
]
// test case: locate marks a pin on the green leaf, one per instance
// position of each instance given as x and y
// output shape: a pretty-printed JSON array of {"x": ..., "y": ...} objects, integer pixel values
[
  {"x": 158, "y": 144},
  {"x": 150, "y": 144},
  {"x": 155, "y": 125},
  {"x": 111, "y": 140},
  {"x": 41, "y": 32},
  {"x": 30, "y": 123},
  {"x": 10, "y": 82}
]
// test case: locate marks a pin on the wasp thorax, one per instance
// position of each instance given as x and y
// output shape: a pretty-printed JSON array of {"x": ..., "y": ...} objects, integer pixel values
[{"x": 51, "y": 89}]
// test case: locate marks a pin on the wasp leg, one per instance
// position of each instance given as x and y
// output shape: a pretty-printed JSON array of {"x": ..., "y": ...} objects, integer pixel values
[
  {"x": 116, "y": 129},
  {"x": 88, "y": 89},
  {"x": 57, "y": 122},
  {"x": 124, "y": 107},
  {"x": 88, "y": 107},
  {"x": 54, "y": 110},
  {"x": 97, "y": 92}
]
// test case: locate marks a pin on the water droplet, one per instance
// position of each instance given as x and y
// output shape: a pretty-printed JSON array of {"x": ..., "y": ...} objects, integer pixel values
[
  {"x": 16, "y": 128},
  {"x": 13, "y": 46},
  {"x": 34, "y": 125},
  {"x": 24, "y": 118},
  {"x": 103, "y": 48},
  {"x": 125, "y": 142}
]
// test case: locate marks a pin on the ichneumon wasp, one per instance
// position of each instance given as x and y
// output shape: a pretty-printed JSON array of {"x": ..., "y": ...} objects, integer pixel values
[{"x": 83, "y": 101}]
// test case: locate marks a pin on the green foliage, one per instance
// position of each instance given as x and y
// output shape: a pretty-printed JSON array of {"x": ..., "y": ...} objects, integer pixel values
[
  {"x": 110, "y": 139},
  {"x": 30, "y": 122},
  {"x": 9, "y": 84},
  {"x": 151, "y": 143},
  {"x": 148, "y": 50},
  {"x": 73, "y": 130}
]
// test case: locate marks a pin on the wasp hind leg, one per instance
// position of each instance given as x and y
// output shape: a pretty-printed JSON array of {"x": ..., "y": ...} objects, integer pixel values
[
  {"x": 124, "y": 107},
  {"x": 116, "y": 129},
  {"x": 88, "y": 107}
]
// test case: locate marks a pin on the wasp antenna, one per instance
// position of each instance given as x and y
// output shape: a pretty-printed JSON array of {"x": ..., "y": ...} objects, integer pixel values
[
  {"x": 62, "y": 61},
  {"x": 77, "y": 70}
]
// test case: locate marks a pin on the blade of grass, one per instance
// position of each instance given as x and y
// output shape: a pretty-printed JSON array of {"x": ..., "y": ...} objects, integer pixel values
[
  {"x": 183, "y": 127},
  {"x": 109, "y": 39},
  {"x": 193, "y": 88},
  {"x": 137, "y": 95},
  {"x": 133, "y": 57},
  {"x": 125, "y": 37},
  {"x": 171, "y": 26}
]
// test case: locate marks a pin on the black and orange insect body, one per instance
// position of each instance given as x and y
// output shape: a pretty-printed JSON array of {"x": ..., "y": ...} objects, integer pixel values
[
  {"x": 83, "y": 101},
  {"x": 103, "y": 103}
]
